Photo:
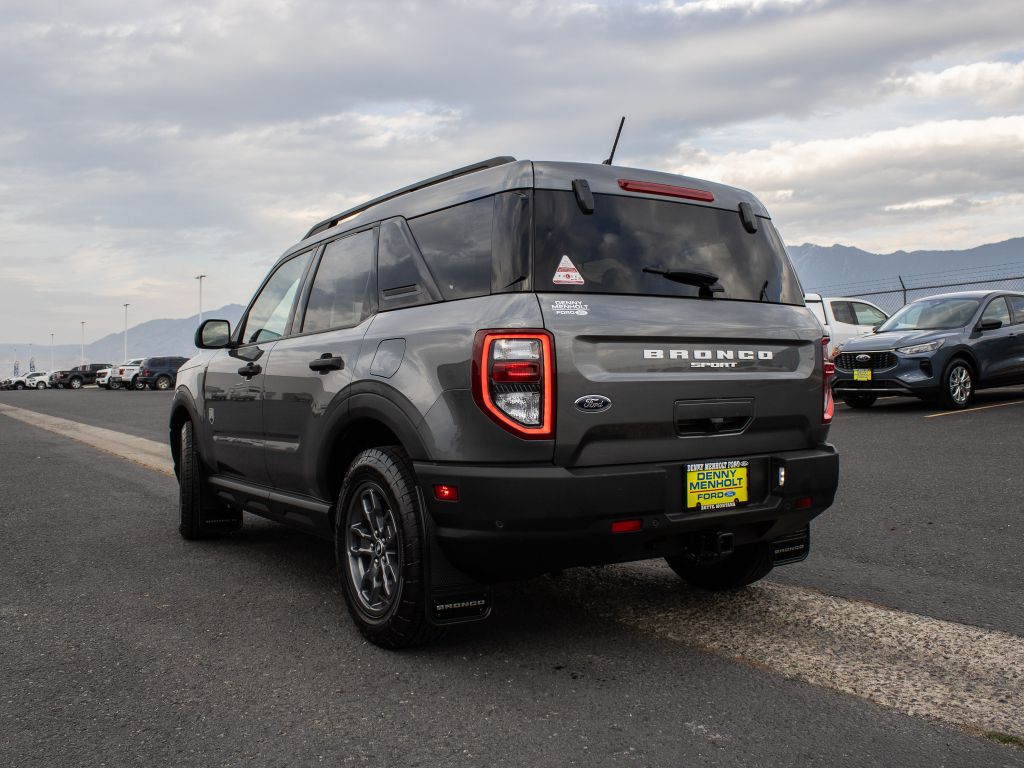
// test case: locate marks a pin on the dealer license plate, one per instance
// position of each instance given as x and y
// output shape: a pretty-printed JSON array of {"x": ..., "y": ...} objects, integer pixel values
[
  {"x": 716, "y": 484},
  {"x": 862, "y": 374}
]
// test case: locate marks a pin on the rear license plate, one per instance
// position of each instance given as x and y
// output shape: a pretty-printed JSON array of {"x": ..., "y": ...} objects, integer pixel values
[
  {"x": 862, "y": 374},
  {"x": 716, "y": 484}
]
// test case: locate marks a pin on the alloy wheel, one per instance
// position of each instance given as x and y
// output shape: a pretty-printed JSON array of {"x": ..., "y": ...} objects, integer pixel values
[
  {"x": 960, "y": 384},
  {"x": 374, "y": 549}
]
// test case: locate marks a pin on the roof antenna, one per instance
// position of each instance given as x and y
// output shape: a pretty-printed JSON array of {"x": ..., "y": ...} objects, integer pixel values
[{"x": 617, "y": 134}]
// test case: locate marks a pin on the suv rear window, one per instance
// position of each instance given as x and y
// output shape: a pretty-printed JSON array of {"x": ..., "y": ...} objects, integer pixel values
[{"x": 611, "y": 247}]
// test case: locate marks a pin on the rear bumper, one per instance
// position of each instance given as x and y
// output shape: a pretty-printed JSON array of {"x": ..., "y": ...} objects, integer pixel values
[{"x": 513, "y": 521}]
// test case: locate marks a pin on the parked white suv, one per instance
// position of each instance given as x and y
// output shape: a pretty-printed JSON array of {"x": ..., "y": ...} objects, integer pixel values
[
  {"x": 34, "y": 380},
  {"x": 124, "y": 374},
  {"x": 844, "y": 319}
]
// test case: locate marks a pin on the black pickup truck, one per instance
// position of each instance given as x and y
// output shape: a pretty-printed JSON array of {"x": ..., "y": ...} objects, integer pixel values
[{"x": 77, "y": 377}]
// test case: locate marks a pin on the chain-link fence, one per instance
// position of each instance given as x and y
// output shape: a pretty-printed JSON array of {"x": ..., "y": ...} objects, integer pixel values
[{"x": 892, "y": 293}]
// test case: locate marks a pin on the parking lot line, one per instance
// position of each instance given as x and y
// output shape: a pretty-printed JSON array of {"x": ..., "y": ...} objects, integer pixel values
[
  {"x": 962, "y": 675},
  {"x": 978, "y": 408},
  {"x": 148, "y": 453}
]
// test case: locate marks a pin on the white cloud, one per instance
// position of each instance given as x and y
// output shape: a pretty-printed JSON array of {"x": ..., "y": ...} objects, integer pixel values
[{"x": 996, "y": 83}]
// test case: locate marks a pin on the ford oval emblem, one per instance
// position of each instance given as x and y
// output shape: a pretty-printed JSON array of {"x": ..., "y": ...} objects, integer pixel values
[
  {"x": 593, "y": 403},
  {"x": 863, "y": 358}
]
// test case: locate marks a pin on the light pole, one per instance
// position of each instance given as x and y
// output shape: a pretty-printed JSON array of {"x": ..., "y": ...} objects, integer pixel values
[
  {"x": 83, "y": 343},
  {"x": 51, "y": 353},
  {"x": 200, "y": 279},
  {"x": 126, "y": 331}
]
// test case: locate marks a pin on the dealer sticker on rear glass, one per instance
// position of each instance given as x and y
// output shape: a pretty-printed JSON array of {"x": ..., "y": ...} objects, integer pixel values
[
  {"x": 716, "y": 484},
  {"x": 567, "y": 274}
]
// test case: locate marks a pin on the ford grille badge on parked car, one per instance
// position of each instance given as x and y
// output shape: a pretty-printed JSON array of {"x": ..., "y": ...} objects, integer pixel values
[
  {"x": 863, "y": 358},
  {"x": 593, "y": 403}
]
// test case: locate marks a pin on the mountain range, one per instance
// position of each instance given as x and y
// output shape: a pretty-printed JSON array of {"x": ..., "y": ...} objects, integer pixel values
[
  {"x": 841, "y": 269},
  {"x": 152, "y": 338}
]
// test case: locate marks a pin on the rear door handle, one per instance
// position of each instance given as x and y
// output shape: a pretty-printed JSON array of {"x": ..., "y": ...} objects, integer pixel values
[
  {"x": 326, "y": 362},
  {"x": 250, "y": 370}
]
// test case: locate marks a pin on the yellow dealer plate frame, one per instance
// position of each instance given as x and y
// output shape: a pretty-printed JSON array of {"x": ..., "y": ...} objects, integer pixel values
[
  {"x": 862, "y": 374},
  {"x": 717, "y": 484}
]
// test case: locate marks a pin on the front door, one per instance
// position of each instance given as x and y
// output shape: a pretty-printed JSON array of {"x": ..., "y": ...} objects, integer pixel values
[
  {"x": 233, "y": 389},
  {"x": 307, "y": 375}
]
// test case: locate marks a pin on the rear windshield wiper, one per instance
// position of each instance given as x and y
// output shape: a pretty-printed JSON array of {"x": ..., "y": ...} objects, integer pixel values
[{"x": 706, "y": 281}]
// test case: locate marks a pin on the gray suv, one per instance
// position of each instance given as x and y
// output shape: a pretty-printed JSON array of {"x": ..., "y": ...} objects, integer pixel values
[{"x": 510, "y": 369}]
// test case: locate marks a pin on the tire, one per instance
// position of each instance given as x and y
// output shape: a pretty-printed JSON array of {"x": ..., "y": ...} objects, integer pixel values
[
  {"x": 19, "y": 385},
  {"x": 113, "y": 386},
  {"x": 957, "y": 385},
  {"x": 136, "y": 384},
  {"x": 75, "y": 383},
  {"x": 163, "y": 383},
  {"x": 860, "y": 401},
  {"x": 200, "y": 515},
  {"x": 747, "y": 564},
  {"x": 377, "y": 531},
  {"x": 40, "y": 385}
]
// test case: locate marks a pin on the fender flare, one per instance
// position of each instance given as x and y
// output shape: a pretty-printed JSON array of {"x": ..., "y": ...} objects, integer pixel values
[{"x": 376, "y": 402}]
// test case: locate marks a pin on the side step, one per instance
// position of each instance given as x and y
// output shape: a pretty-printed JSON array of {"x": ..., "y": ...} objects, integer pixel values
[{"x": 792, "y": 548}]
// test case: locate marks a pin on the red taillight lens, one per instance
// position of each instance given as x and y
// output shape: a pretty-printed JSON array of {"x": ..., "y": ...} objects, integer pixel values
[
  {"x": 804, "y": 502},
  {"x": 828, "y": 370},
  {"x": 650, "y": 188},
  {"x": 511, "y": 372},
  {"x": 513, "y": 380},
  {"x": 145, "y": 372}
]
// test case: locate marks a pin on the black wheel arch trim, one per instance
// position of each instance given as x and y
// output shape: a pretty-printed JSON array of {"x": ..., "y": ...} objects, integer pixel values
[{"x": 183, "y": 403}]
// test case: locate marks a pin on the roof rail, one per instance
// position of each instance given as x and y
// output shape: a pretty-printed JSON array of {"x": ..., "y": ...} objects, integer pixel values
[{"x": 493, "y": 162}]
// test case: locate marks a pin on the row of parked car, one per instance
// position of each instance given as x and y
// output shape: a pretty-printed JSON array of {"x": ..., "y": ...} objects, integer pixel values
[{"x": 139, "y": 373}]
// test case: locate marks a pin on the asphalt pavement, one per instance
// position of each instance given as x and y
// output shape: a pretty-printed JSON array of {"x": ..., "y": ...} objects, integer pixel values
[{"x": 124, "y": 645}]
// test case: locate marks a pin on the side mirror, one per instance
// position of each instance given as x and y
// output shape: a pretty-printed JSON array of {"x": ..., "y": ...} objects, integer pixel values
[
  {"x": 990, "y": 325},
  {"x": 213, "y": 334}
]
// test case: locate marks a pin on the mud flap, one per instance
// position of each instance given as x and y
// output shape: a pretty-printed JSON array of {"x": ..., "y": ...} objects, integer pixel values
[
  {"x": 453, "y": 597},
  {"x": 792, "y": 548}
]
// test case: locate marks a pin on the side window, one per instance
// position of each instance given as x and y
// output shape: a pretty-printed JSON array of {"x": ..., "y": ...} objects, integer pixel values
[
  {"x": 268, "y": 318},
  {"x": 340, "y": 297},
  {"x": 866, "y": 314},
  {"x": 456, "y": 244},
  {"x": 1017, "y": 302},
  {"x": 843, "y": 312},
  {"x": 402, "y": 276},
  {"x": 997, "y": 310}
]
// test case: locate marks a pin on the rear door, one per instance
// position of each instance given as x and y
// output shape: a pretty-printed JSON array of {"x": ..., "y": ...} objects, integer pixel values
[{"x": 683, "y": 372}]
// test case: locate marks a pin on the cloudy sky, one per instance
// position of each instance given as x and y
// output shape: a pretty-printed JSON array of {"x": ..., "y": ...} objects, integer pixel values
[{"x": 144, "y": 142}]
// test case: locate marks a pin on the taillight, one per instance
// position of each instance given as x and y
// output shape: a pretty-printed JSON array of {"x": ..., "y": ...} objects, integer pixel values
[
  {"x": 513, "y": 380},
  {"x": 828, "y": 370},
  {"x": 145, "y": 372}
]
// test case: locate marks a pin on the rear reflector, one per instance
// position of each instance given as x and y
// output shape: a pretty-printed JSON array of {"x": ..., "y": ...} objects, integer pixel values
[
  {"x": 446, "y": 492},
  {"x": 804, "y": 502},
  {"x": 627, "y": 526},
  {"x": 650, "y": 188}
]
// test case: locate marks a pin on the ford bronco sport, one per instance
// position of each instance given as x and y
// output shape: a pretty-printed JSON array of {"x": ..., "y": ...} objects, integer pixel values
[{"x": 510, "y": 369}]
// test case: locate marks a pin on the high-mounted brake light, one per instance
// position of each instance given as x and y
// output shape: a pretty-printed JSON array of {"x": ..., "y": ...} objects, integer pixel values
[
  {"x": 513, "y": 381},
  {"x": 828, "y": 370},
  {"x": 651, "y": 188}
]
